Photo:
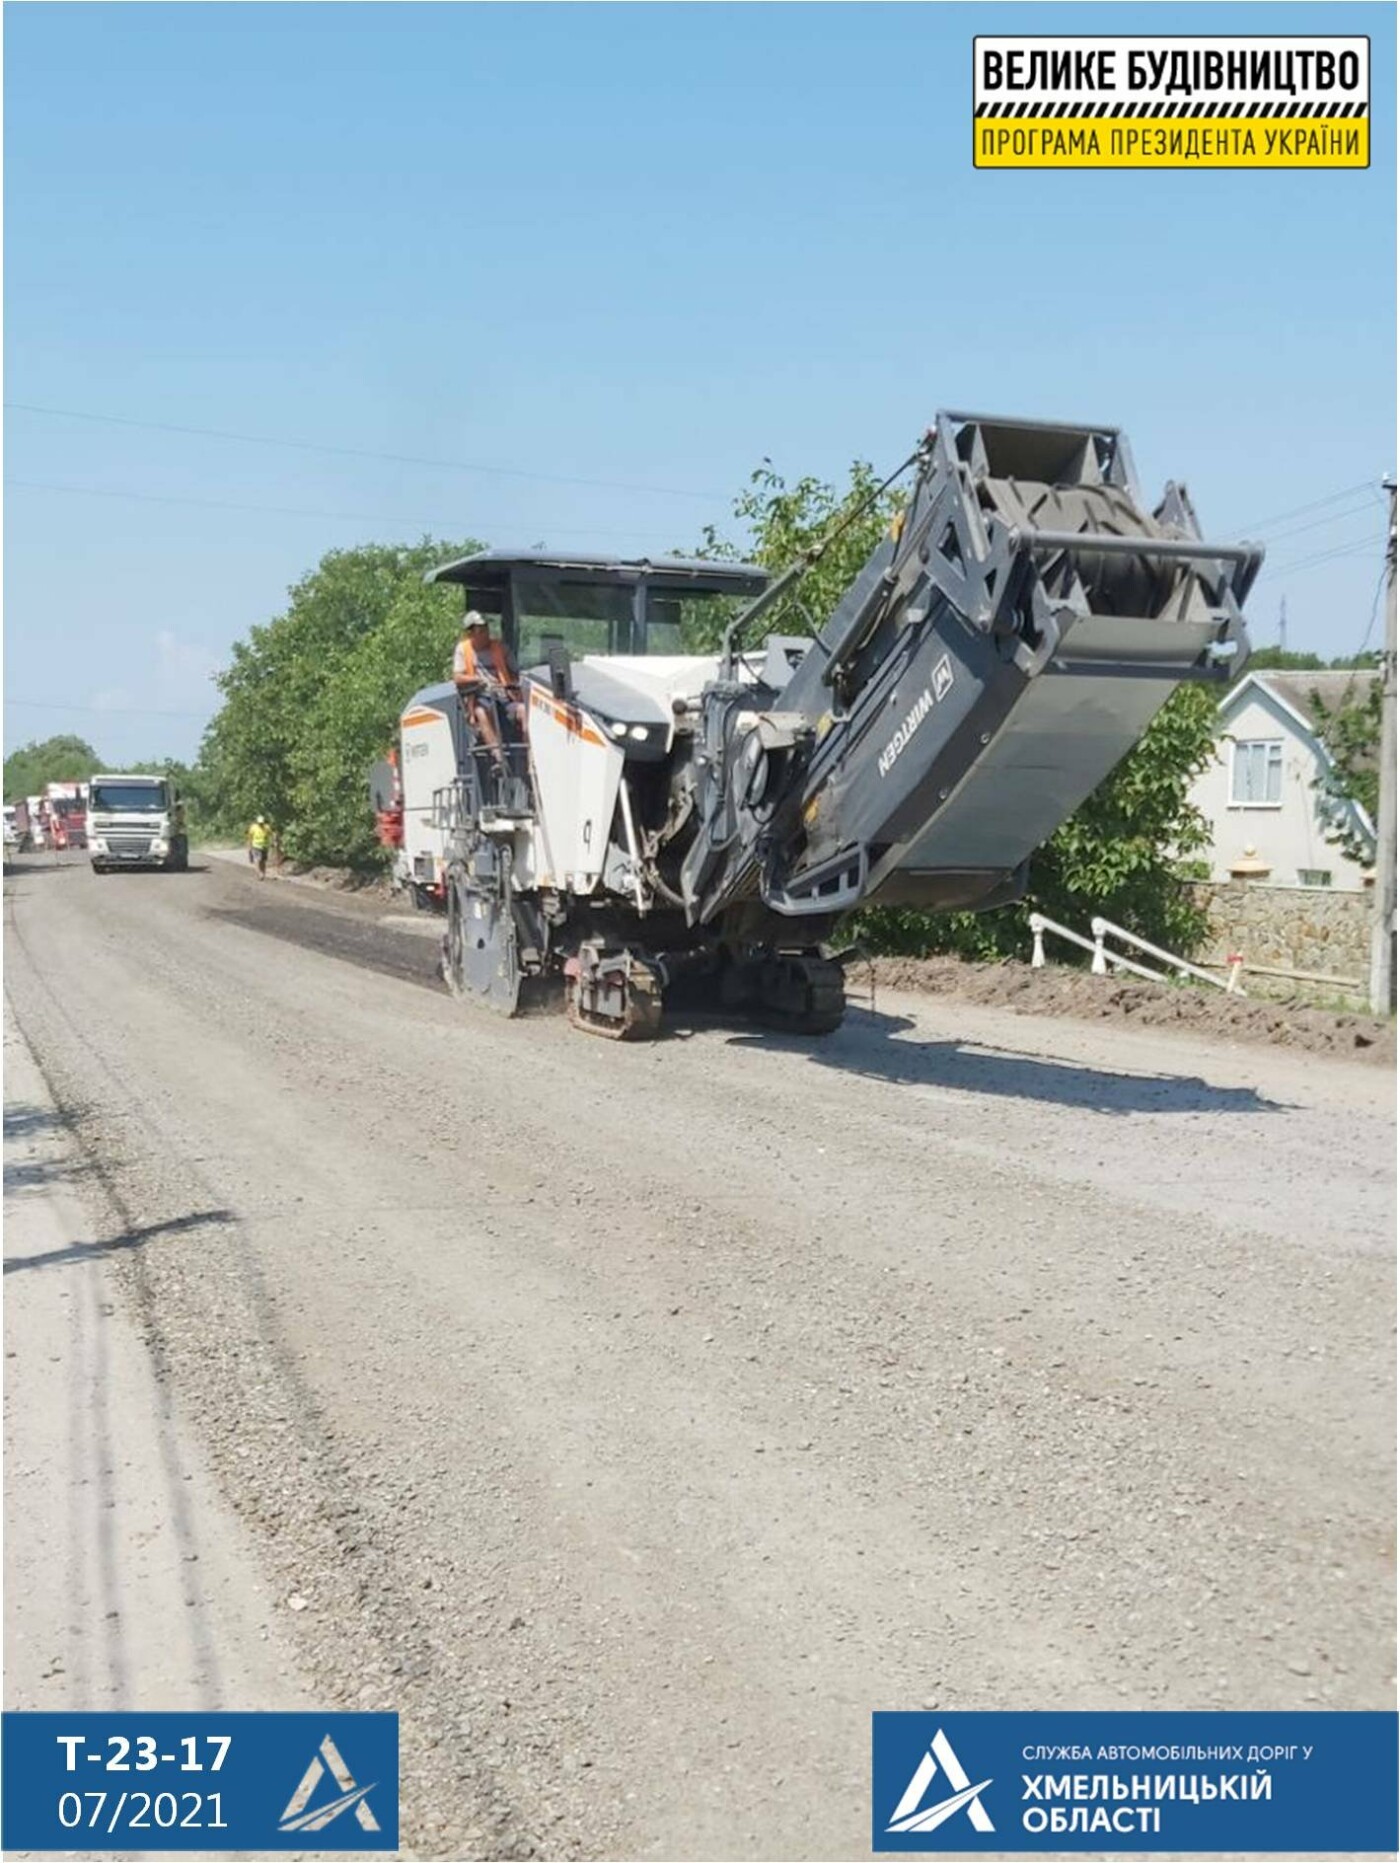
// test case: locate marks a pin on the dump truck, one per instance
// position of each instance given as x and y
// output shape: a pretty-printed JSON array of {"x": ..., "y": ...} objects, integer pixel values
[
  {"x": 65, "y": 815},
  {"x": 136, "y": 820},
  {"x": 675, "y": 808}
]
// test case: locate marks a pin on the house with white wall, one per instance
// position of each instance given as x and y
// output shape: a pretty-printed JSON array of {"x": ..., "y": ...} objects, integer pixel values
[{"x": 1265, "y": 793}]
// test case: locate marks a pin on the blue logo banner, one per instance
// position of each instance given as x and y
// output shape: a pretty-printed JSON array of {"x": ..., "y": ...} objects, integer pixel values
[
  {"x": 1179, "y": 1782},
  {"x": 109, "y": 1782}
]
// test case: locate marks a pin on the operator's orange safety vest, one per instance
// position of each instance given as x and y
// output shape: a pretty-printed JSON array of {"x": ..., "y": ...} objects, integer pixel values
[{"x": 465, "y": 665}]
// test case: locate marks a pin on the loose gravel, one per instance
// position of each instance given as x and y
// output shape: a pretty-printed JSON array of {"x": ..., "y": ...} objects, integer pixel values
[{"x": 635, "y": 1420}]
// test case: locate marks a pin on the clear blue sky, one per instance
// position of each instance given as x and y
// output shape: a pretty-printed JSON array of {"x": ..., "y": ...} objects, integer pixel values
[{"x": 645, "y": 246}]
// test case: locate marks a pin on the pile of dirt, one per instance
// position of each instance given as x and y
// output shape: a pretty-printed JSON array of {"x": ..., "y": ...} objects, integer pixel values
[
  {"x": 339, "y": 879},
  {"x": 1058, "y": 991}
]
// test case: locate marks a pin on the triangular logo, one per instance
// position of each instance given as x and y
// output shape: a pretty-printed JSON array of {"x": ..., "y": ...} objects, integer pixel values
[
  {"x": 912, "y": 1814},
  {"x": 351, "y": 1796}
]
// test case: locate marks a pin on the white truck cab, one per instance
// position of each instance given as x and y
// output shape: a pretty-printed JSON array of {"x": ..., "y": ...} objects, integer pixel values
[{"x": 136, "y": 820}]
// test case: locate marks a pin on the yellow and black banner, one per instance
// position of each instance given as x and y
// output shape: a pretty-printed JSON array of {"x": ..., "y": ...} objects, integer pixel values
[{"x": 1144, "y": 102}]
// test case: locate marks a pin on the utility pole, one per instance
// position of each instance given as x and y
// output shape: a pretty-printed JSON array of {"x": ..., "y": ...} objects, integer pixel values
[
  {"x": 1383, "y": 926},
  {"x": 1283, "y": 624}
]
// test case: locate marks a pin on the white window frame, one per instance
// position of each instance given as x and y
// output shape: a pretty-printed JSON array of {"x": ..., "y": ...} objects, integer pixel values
[
  {"x": 1322, "y": 885},
  {"x": 1272, "y": 748}
]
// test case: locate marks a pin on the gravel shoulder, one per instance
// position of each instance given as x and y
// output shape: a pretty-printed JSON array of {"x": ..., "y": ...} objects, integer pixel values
[
  {"x": 128, "y": 1579},
  {"x": 635, "y": 1420}
]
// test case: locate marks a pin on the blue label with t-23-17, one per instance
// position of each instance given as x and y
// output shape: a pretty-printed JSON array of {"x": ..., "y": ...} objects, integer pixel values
[{"x": 109, "y": 1782}]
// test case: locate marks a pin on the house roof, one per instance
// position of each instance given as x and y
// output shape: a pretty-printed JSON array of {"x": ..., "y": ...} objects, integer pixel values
[{"x": 1330, "y": 689}]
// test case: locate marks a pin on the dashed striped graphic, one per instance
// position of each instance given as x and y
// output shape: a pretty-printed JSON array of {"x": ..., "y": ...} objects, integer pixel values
[{"x": 1294, "y": 108}]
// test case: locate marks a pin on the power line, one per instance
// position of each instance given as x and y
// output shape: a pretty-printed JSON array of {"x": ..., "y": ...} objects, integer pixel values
[
  {"x": 100, "y": 711},
  {"x": 1317, "y": 504},
  {"x": 1351, "y": 546},
  {"x": 1364, "y": 671},
  {"x": 359, "y": 452},
  {"x": 1366, "y": 506},
  {"x": 355, "y": 517},
  {"x": 1325, "y": 551},
  {"x": 518, "y": 472},
  {"x": 207, "y": 504},
  {"x": 381, "y": 517},
  {"x": 1375, "y": 610}
]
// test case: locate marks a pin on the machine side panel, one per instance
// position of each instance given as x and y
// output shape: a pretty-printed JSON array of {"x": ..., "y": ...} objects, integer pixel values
[
  {"x": 1067, "y": 736},
  {"x": 427, "y": 761},
  {"x": 577, "y": 773}
]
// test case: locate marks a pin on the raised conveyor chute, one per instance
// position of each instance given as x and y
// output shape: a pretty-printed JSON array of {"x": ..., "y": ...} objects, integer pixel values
[{"x": 987, "y": 670}]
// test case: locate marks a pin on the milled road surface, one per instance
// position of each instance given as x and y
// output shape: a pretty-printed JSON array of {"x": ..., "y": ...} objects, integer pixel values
[{"x": 634, "y": 1420}]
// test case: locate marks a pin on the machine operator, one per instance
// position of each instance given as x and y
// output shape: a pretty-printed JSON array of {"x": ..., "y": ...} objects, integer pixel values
[{"x": 482, "y": 667}]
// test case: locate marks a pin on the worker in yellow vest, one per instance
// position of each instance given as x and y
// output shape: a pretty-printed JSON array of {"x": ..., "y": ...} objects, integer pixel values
[{"x": 259, "y": 841}]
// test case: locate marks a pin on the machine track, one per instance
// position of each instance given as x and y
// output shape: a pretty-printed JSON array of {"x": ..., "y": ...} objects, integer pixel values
[
  {"x": 812, "y": 1000},
  {"x": 641, "y": 1016}
]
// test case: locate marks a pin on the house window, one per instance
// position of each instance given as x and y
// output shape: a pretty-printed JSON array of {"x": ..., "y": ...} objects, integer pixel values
[
  {"x": 1314, "y": 876},
  {"x": 1256, "y": 773}
]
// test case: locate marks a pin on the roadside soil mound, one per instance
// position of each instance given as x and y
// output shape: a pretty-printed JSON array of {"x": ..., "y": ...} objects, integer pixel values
[
  {"x": 1058, "y": 991},
  {"x": 338, "y": 879}
]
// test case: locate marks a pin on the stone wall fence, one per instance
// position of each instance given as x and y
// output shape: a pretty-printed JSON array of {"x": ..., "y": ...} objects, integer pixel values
[{"x": 1305, "y": 933}]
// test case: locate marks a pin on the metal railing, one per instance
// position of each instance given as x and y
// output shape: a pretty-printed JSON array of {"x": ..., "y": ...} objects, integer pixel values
[{"x": 1103, "y": 955}]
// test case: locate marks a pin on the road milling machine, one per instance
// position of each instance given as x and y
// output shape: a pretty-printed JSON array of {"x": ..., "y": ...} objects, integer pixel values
[{"x": 680, "y": 810}]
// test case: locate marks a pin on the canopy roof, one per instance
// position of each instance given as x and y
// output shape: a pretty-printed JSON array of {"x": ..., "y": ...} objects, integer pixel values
[{"x": 492, "y": 569}]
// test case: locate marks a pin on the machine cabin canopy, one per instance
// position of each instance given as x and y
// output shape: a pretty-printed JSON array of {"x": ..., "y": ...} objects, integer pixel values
[{"x": 602, "y": 605}]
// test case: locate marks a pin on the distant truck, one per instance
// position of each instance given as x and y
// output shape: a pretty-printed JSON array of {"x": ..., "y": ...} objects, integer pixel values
[
  {"x": 136, "y": 821},
  {"x": 65, "y": 815}
]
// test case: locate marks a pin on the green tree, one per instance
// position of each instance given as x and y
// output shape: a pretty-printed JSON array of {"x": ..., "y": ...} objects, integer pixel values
[
  {"x": 1351, "y": 732},
  {"x": 55, "y": 760},
  {"x": 1282, "y": 659},
  {"x": 312, "y": 697},
  {"x": 785, "y": 520},
  {"x": 1117, "y": 855}
]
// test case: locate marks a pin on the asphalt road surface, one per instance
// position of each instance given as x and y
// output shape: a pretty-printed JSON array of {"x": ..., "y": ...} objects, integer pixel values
[{"x": 635, "y": 1420}]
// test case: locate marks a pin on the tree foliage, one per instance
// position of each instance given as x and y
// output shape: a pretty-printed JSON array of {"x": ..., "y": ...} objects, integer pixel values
[
  {"x": 1118, "y": 855},
  {"x": 54, "y": 760},
  {"x": 312, "y": 697},
  {"x": 785, "y": 520},
  {"x": 1285, "y": 660},
  {"x": 1351, "y": 732}
]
